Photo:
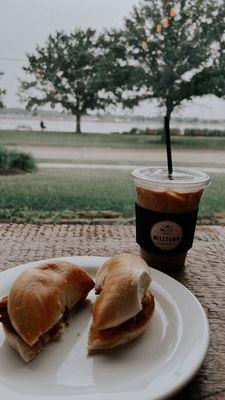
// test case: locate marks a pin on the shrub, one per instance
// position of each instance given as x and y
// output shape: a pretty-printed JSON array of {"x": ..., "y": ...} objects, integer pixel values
[
  {"x": 12, "y": 160},
  {"x": 216, "y": 133},
  {"x": 159, "y": 132},
  {"x": 195, "y": 132},
  {"x": 175, "y": 132},
  {"x": 22, "y": 161},
  {"x": 153, "y": 132},
  {"x": 204, "y": 132}
]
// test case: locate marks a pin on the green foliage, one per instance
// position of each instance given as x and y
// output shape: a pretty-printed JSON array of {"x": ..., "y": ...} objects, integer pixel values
[
  {"x": 151, "y": 132},
  {"x": 204, "y": 132},
  {"x": 11, "y": 161},
  {"x": 67, "y": 71},
  {"x": 176, "y": 44},
  {"x": 117, "y": 75},
  {"x": 22, "y": 161}
]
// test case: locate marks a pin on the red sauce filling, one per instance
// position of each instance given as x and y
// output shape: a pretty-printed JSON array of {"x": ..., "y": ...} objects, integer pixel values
[{"x": 4, "y": 316}]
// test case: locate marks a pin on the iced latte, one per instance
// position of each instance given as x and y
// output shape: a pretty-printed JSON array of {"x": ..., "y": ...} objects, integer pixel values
[{"x": 166, "y": 214}]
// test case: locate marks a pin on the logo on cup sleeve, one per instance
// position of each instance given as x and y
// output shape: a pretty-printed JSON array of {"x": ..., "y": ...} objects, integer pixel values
[{"x": 166, "y": 235}]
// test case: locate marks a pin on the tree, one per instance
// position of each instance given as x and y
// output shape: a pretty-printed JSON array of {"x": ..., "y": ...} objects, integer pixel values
[
  {"x": 118, "y": 76},
  {"x": 219, "y": 73},
  {"x": 66, "y": 71},
  {"x": 2, "y": 93},
  {"x": 176, "y": 44}
]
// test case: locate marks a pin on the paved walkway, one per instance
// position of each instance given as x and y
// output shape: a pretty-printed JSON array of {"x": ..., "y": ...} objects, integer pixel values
[
  {"x": 61, "y": 165},
  {"x": 87, "y": 154}
]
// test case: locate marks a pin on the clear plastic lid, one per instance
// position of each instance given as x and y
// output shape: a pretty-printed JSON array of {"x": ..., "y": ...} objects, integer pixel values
[{"x": 183, "y": 179}]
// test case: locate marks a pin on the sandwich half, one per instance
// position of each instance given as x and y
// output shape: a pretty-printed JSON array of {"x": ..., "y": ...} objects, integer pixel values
[
  {"x": 40, "y": 303},
  {"x": 125, "y": 304}
]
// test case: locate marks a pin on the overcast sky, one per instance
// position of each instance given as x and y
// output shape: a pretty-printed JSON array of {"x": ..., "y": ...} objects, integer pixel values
[{"x": 25, "y": 23}]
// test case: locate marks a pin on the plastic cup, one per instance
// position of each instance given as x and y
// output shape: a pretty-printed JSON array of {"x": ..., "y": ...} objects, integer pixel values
[{"x": 166, "y": 213}]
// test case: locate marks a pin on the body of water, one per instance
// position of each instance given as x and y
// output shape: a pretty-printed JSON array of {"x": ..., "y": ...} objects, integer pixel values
[{"x": 93, "y": 125}]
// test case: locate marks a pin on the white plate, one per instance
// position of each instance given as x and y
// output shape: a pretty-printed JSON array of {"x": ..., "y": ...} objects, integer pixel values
[{"x": 155, "y": 366}]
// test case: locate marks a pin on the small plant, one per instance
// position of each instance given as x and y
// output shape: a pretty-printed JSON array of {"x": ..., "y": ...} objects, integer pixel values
[
  {"x": 22, "y": 161},
  {"x": 11, "y": 161}
]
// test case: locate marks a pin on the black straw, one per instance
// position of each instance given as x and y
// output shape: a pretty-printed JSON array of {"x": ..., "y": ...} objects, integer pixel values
[{"x": 168, "y": 148}]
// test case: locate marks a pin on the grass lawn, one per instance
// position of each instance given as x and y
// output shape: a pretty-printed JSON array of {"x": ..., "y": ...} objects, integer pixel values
[
  {"x": 113, "y": 140},
  {"x": 64, "y": 195}
]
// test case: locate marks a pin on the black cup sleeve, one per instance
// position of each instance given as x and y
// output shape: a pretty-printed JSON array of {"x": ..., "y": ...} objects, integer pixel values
[{"x": 165, "y": 233}]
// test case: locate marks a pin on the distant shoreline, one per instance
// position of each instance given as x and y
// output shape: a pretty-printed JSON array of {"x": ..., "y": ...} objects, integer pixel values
[{"x": 51, "y": 115}]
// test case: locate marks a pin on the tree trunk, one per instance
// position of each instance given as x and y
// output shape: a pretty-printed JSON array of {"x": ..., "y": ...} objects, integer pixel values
[{"x": 78, "y": 128}]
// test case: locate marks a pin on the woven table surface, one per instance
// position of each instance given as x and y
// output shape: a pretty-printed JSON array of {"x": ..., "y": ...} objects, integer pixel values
[{"x": 203, "y": 275}]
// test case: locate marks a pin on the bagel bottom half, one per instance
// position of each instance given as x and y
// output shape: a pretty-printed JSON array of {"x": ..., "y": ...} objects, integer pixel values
[
  {"x": 100, "y": 340},
  {"x": 26, "y": 352}
]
